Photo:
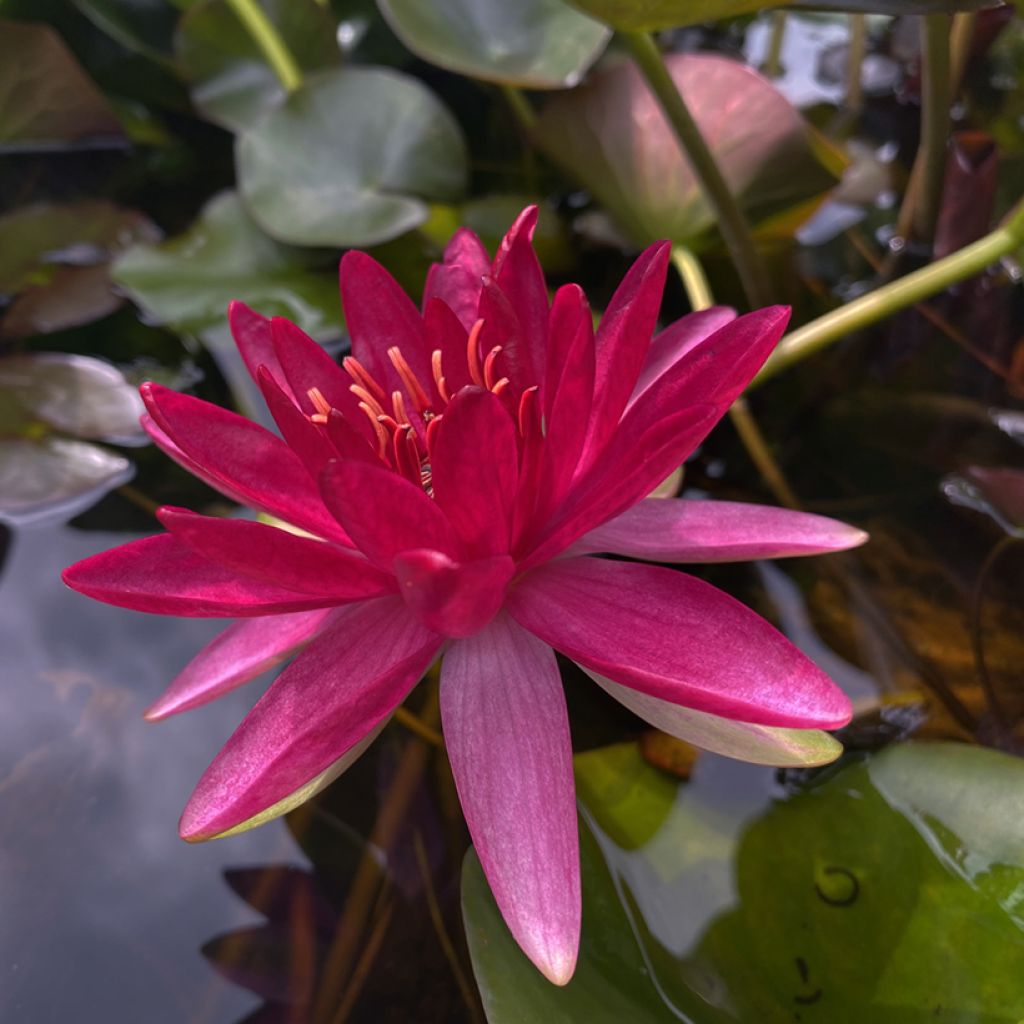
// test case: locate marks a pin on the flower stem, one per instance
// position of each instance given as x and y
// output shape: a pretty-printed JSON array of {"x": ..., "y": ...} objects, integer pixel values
[
  {"x": 858, "y": 49},
  {"x": 772, "y": 66},
  {"x": 731, "y": 221},
  {"x": 891, "y": 298},
  {"x": 520, "y": 107},
  {"x": 695, "y": 281},
  {"x": 269, "y": 40}
]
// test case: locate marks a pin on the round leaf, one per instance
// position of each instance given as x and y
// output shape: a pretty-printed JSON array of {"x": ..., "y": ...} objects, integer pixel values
[
  {"x": 535, "y": 44},
  {"x": 611, "y": 135},
  {"x": 350, "y": 159}
]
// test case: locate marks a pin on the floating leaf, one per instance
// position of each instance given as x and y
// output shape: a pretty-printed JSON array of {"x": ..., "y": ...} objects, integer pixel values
[
  {"x": 649, "y": 15},
  {"x": 188, "y": 281},
  {"x": 535, "y": 44},
  {"x": 232, "y": 84},
  {"x": 45, "y": 96},
  {"x": 889, "y": 892},
  {"x": 610, "y": 135},
  {"x": 350, "y": 159}
]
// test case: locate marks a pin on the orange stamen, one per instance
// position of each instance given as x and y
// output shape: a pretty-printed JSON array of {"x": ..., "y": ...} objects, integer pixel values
[
  {"x": 378, "y": 428},
  {"x": 489, "y": 367},
  {"x": 412, "y": 386},
  {"x": 401, "y": 413},
  {"x": 361, "y": 376},
  {"x": 439, "y": 381},
  {"x": 473, "y": 354},
  {"x": 365, "y": 398},
  {"x": 500, "y": 386}
]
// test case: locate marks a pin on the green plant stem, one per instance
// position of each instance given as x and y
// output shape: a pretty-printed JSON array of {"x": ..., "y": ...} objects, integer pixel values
[
  {"x": 269, "y": 40},
  {"x": 961, "y": 39},
  {"x": 772, "y": 65},
  {"x": 520, "y": 107},
  {"x": 855, "y": 62},
  {"x": 731, "y": 221},
  {"x": 695, "y": 281},
  {"x": 891, "y": 298}
]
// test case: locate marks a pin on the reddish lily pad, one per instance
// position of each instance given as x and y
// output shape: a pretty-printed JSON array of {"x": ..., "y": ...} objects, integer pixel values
[
  {"x": 535, "y": 44},
  {"x": 46, "y": 98},
  {"x": 351, "y": 158},
  {"x": 610, "y": 135},
  {"x": 232, "y": 84}
]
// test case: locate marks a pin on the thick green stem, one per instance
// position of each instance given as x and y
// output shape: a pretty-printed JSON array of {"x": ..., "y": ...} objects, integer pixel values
[
  {"x": 772, "y": 65},
  {"x": 268, "y": 39},
  {"x": 893, "y": 297},
  {"x": 521, "y": 109},
  {"x": 695, "y": 281},
  {"x": 730, "y": 218},
  {"x": 855, "y": 62}
]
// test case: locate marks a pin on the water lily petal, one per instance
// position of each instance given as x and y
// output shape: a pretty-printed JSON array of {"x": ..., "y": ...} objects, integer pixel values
[
  {"x": 379, "y": 315},
  {"x": 276, "y": 556},
  {"x": 681, "y": 530},
  {"x": 500, "y": 328},
  {"x": 449, "y": 337},
  {"x": 457, "y": 280},
  {"x": 453, "y": 598},
  {"x": 163, "y": 575},
  {"x": 251, "y": 332},
  {"x": 758, "y": 744},
  {"x": 507, "y": 734},
  {"x": 518, "y": 273},
  {"x": 671, "y": 344},
  {"x": 676, "y": 638},
  {"x": 303, "y": 436},
  {"x": 474, "y": 464},
  {"x": 623, "y": 339},
  {"x": 246, "y": 458},
  {"x": 384, "y": 513},
  {"x": 241, "y": 652},
  {"x": 315, "y": 715}
]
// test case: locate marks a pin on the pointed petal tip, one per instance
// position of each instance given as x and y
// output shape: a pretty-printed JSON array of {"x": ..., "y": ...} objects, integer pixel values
[{"x": 559, "y": 967}]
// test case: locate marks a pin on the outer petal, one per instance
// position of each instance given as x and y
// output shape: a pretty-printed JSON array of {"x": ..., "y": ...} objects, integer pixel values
[
  {"x": 759, "y": 744},
  {"x": 457, "y": 280},
  {"x": 303, "y": 436},
  {"x": 676, "y": 638},
  {"x": 251, "y": 332},
  {"x": 317, "y": 713},
  {"x": 474, "y": 462},
  {"x": 248, "y": 460},
  {"x": 507, "y": 733},
  {"x": 681, "y": 530},
  {"x": 278, "y": 557},
  {"x": 241, "y": 652},
  {"x": 163, "y": 575},
  {"x": 677, "y": 340},
  {"x": 384, "y": 513}
]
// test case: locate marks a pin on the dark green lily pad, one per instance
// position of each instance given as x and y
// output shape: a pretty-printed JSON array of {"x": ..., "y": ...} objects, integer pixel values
[
  {"x": 611, "y": 136},
  {"x": 649, "y": 15},
  {"x": 46, "y": 99},
  {"x": 888, "y": 892},
  {"x": 232, "y": 84},
  {"x": 351, "y": 158},
  {"x": 535, "y": 44},
  {"x": 188, "y": 281}
]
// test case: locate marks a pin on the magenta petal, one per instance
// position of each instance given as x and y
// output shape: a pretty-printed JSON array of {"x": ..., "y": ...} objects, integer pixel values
[
  {"x": 303, "y": 436},
  {"x": 474, "y": 463},
  {"x": 623, "y": 339},
  {"x": 241, "y": 652},
  {"x": 507, "y": 733},
  {"x": 251, "y": 332},
  {"x": 242, "y": 457},
  {"x": 680, "y": 530},
  {"x": 379, "y": 315},
  {"x": 163, "y": 575},
  {"x": 457, "y": 280},
  {"x": 671, "y": 344},
  {"x": 452, "y": 598},
  {"x": 349, "y": 679},
  {"x": 676, "y": 638},
  {"x": 449, "y": 337},
  {"x": 384, "y": 513},
  {"x": 278, "y": 557}
]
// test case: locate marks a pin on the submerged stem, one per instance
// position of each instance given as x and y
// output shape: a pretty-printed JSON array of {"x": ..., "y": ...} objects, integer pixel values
[
  {"x": 897, "y": 295},
  {"x": 772, "y": 66},
  {"x": 264, "y": 33},
  {"x": 855, "y": 62},
  {"x": 731, "y": 221}
]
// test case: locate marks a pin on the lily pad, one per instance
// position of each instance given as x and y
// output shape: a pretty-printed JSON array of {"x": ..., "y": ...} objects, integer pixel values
[
  {"x": 46, "y": 99},
  {"x": 887, "y": 892},
  {"x": 611, "y": 135},
  {"x": 534, "y": 44},
  {"x": 188, "y": 281},
  {"x": 232, "y": 84},
  {"x": 351, "y": 158},
  {"x": 649, "y": 15}
]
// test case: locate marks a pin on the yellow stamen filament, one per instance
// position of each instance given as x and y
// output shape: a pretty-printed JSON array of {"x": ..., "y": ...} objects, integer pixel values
[
  {"x": 413, "y": 388},
  {"x": 473, "y": 354},
  {"x": 489, "y": 367},
  {"x": 361, "y": 376}
]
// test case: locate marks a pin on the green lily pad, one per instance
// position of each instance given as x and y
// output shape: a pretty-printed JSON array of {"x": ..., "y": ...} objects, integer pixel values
[
  {"x": 46, "y": 99},
  {"x": 232, "y": 84},
  {"x": 535, "y": 44},
  {"x": 611, "y": 136},
  {"x": 350, "y": 159},
  {"x": 188, "y": 281},
  {"x": 649, "y": 15},
  {"x": 887, "y": 892}
]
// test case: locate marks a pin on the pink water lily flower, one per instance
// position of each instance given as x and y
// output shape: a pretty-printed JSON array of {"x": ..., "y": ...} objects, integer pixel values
[{"x": 451, "y": 484}]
